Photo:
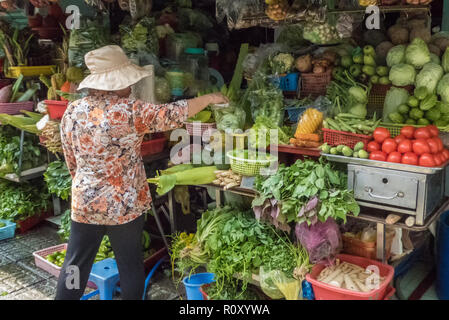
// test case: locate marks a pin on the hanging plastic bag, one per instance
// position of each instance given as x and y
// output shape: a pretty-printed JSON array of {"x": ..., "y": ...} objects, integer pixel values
[
  {"x": 91, "y": 35},
  {"x": 229, "y": 119},
  {"x": 277, "y": 285},
  {"x": 267, "y": 284},
  {"x": 321, "y": 240}
]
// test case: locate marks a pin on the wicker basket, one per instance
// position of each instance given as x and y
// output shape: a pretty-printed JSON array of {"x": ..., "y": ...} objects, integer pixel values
[
  {"x": 364, "y": 249},
  {"x": 248, "y": 167},
  {"x": 315, "y": 84},
  {"x": 335, "y": 138},
  {"x": 199, "y": 128}
]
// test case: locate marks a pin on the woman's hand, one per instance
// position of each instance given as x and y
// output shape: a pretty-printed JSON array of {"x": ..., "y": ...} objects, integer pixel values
[
  {"x": 217, "y": 98},
  {"x": 198, "y": 104}
]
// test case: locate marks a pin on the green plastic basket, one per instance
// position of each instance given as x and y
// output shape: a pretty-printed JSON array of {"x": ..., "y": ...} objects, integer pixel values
[{"x": 248, "y": 167}]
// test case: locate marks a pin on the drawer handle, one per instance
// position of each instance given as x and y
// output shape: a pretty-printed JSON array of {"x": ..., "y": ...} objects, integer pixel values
[{"x": 399, "y": 194}]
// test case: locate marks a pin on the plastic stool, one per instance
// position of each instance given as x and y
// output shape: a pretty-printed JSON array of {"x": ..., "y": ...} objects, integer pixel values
[
  {"x": 150, "y": 275},
  {"x": 105, "y": 275}
]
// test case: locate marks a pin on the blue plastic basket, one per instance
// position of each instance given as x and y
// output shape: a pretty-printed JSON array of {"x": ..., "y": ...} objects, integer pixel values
[
  {"x": 295, "y": 112},
  {"x": 7, "y": 231},
  {"x": 288, "y": 82},
  {"x": 194, "y": 283}
]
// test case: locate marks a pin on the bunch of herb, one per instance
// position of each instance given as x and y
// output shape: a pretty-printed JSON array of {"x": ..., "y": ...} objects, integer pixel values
[
  {"x": 266, "y": 99},
  {"x": 260, "y": 133},
  {"x": 20, "y": 201},
  {"x": 229, "y": 292},
  {"x": 241, "y": 245},
  {"x": 307, "y": 191},
  {"x": 58, "y": 179},
  {"x": 64, "y": 228},
  {"x": 142, "y": 37},
  {"x": 16, "y": 45},
  {"x": 32, "y": 156}
]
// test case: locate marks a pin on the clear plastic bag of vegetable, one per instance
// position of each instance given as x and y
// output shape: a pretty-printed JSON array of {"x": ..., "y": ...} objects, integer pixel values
[
  {"x": 162, "y": 90},
  {"x": 267, "y": 284},
  {"x": 321, "y": 240},
  {"x": 253, "y": 61},
  {"x": 140, "y": 37},
  {"x": 234, "y": 11},
  {"x": 91, "y": 35},
  {"x": 321, "y": 33},
  {"x": 310, "y": 121},
  {"x": 229, "y": 119}
]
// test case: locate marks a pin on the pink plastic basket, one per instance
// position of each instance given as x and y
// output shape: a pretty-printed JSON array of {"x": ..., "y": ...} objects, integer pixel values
[
  {"x": 325, "y": 291},
  {"x": 14, "y": 108},
  {"x": 44, "y": 264},
  {"x": 198, "y": 128}
]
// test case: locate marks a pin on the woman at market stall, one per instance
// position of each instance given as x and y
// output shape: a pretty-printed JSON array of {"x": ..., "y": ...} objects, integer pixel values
[{"x": 101, "y": 136}]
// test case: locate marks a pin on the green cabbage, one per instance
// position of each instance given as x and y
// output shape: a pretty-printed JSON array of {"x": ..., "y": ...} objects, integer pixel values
[
  {"x": 396, "y": 55},
  {"x": 434, "y": 58},
  {"x": 402, "y": 75},
  {"x": 443, "y": 88},
  {"x": 394, "y": 98},
  {"x": 417, "y": 53},
  {"x": 445, "y": 60},
  {"x": 429, "y": 76}
]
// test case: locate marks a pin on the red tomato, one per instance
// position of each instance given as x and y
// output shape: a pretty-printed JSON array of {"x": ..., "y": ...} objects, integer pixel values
[
  {"x": 389, "y": 146},
  {"x": 399, "y": 138},
  {"x": 420, "y": 147},
  {"x": 410, "y": 158},
  {"x": 426, "y": 160},
  {"x": 443, "y": 156},
  {"x": 440, "y": 143},
  {"x": 378, "y": 155},
  {"x": 446, "y": 153},
  {"x": 394, "y": 157},
  {"x": 422, "y": 133},
  {"x": 433, "y": 130},
  {"x": 380, "y": 134},
  {"x": 433, "y": 145},
  {"x": 438, "y": 159},
  {"x": 408, "y": 131},
  {"x": 372, "y": 146},
  {"x": 405, "y": 146}
]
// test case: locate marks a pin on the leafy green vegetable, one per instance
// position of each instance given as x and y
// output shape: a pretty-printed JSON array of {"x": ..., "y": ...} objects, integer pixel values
[
  {"x": 402, "y": 74},
  {"x": 20, "y": 201},
  {"x": 394, "y": 98},
  {"x": 307, "y": 191},
  {"x": 58, "y": 179},
  {"x": 141, "y": 37},
  {"x": 429, "y": 76},
  {"x": 10, "y": 151},
  {"x": 443, "y": 88},
  {"x": 64, "y": 228},
  {"x": 417, "y": 53},
  {"x": 396, "y": 55},
  {"x": 261, "y": 129}
]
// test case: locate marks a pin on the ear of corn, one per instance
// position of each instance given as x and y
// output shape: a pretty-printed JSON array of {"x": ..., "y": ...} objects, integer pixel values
[
  {"x": 310, "y": 122},
  {"x": 196, "y": 176}
]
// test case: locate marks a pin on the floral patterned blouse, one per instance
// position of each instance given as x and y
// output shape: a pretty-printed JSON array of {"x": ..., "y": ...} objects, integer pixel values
[{"x": 101, "y": 138}]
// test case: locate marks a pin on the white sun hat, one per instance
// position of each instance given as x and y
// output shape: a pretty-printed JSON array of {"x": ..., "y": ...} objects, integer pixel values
[{"x": 110, "y": 70}]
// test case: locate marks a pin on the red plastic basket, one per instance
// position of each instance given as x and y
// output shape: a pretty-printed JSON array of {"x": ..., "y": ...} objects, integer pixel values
[
  {"x": 325, "y": 291},
  {"x": 29, "y": 223},
  {"x": 153, "y": 146},
  {"x": 15, "y": 107},
  {"x": 56, "y": 108},
  {"x": 199, "y": 128},
  {"x": 313, "y": 84},
  {"x": 335, "y": 138}
]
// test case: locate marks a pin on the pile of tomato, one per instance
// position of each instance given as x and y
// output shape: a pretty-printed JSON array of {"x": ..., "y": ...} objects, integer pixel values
[{"x": 414, "y": 146}]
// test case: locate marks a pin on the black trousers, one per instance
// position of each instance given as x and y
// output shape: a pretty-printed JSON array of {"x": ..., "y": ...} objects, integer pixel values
[{"x": 83, "y": 246}]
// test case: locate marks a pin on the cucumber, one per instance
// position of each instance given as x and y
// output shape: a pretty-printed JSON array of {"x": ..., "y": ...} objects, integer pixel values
[
  {"x": 347, "y": 152},
  {"x": 363, "y": 154},
  {"x": 359, "y": 146},
  {"x": 340, "y": 148},
  {"x": 333, "y": 150}
]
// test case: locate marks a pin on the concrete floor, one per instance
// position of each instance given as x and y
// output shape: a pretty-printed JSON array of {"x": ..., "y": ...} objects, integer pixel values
[{"x": 20, "y": 279}]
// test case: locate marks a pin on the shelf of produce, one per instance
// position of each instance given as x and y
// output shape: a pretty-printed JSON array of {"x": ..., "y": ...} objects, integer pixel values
[
  {"x": 380, "y": 218},
  {"x": 27, "y": 174},
  {"x": 237, "y": 190},
  {"x": 290, "y": 149},
  {"x": 384, "y": 9},
  {"x": 159, "y": 156}
]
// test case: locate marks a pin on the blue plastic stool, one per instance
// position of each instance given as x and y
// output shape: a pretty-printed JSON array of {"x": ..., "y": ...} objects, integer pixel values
[
  {"x": 105, "y": 275},
  {"x": 150, "y": 275}
]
